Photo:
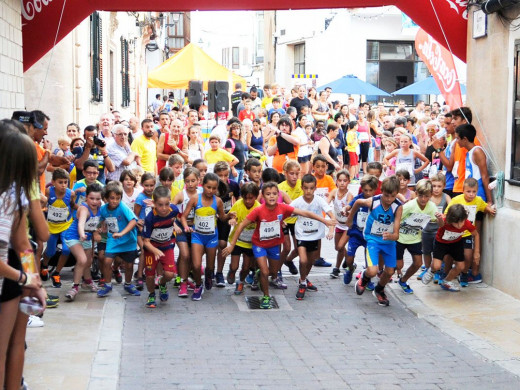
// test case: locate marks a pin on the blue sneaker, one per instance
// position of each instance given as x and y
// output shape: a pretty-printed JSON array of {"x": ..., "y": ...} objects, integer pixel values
[
  {"x": 347, "y": 277},
  {"x": 371, "y": 286},
  {"x": 104, "y": 291},
  {"x": 406, "y": 288},
  {"x": 421, "y": 275},
  {"x": 438, "y": 277},
  {"x": 423, "y": 268},
  {"x": 474, "y": 279},
  {"x": 322, "y": 263},
  {"x": 250, "y": 278},
  {"x": 130, "y": 289},
  {"x": 463, "y": 279},
  {"x": 197, "y": 293},
  {"x": 163, "y": 293}
]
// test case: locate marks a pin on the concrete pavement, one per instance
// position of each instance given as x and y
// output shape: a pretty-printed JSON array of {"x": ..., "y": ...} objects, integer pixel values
[{"x": 332, "y": 339}]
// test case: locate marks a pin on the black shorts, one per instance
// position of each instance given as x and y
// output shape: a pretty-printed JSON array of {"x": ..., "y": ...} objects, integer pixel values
[
  {"x": 311, "y": 246},
  {"x": 414, "y": 249},
  {"x": 101, "y": 246},
  {"x": 11, "y": 289},
  {"x": 238, "y": 250},
  {"x": 223, "y": 230},
  {"x": 289, "y": 227},
  {"x": 449, "y": 193},
  {"x": 456, "y": 250},
  {"x": 468, "y": 242},
  {"x": 304, "y": 159},
  {"x": 127, "y": 257},
  {"x": 364, "y": 147},
  {"x": 479, "y": 216}
]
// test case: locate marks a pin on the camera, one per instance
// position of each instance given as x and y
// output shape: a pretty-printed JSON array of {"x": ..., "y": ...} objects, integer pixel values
[{"x": 99, "y": 142}]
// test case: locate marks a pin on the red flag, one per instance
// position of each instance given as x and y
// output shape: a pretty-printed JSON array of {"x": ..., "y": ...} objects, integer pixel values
[{"x": 441, "y": 65}]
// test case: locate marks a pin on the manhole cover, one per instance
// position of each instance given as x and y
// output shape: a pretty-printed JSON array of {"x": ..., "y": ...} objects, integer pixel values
[{"x": 253, "y": 303}]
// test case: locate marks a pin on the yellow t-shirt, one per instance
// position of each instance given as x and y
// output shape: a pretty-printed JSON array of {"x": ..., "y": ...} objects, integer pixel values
[
  {"x": 293, "y": 192},
  {"x": 266, "y": 101},
  {"x": 146, "y": 148},
  {"x": 244, "y": 240},
  {"x": 214, "y": 156},
  {"x": 352, "y": 141},
  {"x": 473, "y": 207}
]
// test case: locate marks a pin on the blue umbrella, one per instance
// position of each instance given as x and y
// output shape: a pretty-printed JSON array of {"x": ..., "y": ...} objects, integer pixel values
[
  {"x": 428, "y": 86},
  {"x": 351, "y": 85}
]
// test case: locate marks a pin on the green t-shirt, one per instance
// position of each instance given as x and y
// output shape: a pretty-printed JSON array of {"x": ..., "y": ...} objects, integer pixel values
[{"x": 414, "y": 220}]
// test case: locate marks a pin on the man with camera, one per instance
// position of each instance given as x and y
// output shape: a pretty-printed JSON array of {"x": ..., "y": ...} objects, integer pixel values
[{"x": 95, "y": 149}]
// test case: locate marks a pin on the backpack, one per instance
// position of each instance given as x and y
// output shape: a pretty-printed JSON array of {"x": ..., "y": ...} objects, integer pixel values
[{"x": 232, "y": 144}]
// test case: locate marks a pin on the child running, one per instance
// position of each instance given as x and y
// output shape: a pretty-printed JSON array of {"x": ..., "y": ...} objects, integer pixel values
[
  {"x": 191, "y": 183},
  {"x": 309, "y": 232},
  {"x": 416, "y": 215},
  {"x": 340, "y": 198},
  {"x": 449, "y": 241},
  {"x": 204, "y": 238},
  {"x": 130, "y": 190},
  {"x": 78, "y": 238},
  {"x": 159, "y": 242},
  {"x": 243, "y": 208},
  {"x": 381, "y": 232},
  {"x": 121, "y": 224},
  {"x": 268, "y": 234}
]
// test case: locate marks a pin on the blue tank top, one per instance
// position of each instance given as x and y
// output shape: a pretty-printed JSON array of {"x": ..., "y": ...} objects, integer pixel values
[
  {"x": 205, "y": 221},
  {"x": 257, "y": 142},
  {"x": 473, "y": 170},
  {"x": 90, "y": 226},
  {"x": 360, "y": 219},
  {"x": 380, "y": 220}
]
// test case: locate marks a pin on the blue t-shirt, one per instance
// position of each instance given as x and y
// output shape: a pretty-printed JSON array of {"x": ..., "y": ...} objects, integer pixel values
[
  {"x": 160, "y": 229},
  {"x": 116, "y": 220},
  {"x": 91, "y": 224},
  {"x": 380, "y": 220},
  {"x": 360, "y": 219},
  {"x": 145, "y": 210}
]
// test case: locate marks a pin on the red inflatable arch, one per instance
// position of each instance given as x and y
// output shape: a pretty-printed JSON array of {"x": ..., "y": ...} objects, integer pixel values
[{"x": 445, "y": 20}]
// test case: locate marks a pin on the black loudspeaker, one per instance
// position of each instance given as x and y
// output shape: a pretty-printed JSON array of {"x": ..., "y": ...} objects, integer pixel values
[
  {"x": 195, "y": 94},
  {"x": 218, "y": 96}
]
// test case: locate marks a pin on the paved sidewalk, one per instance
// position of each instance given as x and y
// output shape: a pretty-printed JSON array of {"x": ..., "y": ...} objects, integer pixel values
[{"x": 333, "y": 339}]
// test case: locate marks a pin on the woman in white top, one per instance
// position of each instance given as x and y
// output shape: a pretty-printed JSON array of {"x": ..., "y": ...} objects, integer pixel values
[
  {"x": 305, "y": 150},
  {"x": 195, "y": 147}
]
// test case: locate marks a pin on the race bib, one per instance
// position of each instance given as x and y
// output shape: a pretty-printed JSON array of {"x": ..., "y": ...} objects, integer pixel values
[
  {"x": 339, "y": 217},
  {"x": 162, "y": 235},
  {"x": 309, "y": 226},
  {"x": 269, "y": 230},
  {"x": 379, "y": 228},
  {"x": 361, "y": 219},
  {"x": 405, "y": 166},
  {"x": 81, "y": 198},
  {"x": 211, "y": 167},
  {"x": 363, "y": 137},
  {"x": 322, "y": 193},
  {"x": 418, "y": 221},
  {"x": 205, "y": 224},
  {"x": 57, "y": 214},
  {"x": 472, "y": 213},
  {"x": 92, "y": 224},
  {"x": 112, "y": 225},
  {"x": 455, "y": 170},
  {"x": 246, "y": 235},
  {"x": 227, "y": 206},
  {"x": 451, "y": 236}
]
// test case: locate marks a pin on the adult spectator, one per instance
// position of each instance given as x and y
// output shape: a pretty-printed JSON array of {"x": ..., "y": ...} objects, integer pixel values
[
  {"x": 321, "y": 109},
  {"x": 106, "y": 122},
  {"x": 156, "y": 103},
  {"x": 93, "y": 151},
  {"x": 301, "y": 100},
  {"x": 73, "y": 130},
  {"x": 120, "y": 152},
  {"x": 293, "y": 114},
  {"x": 135, "y": 129},
  {"x": 195, "y": 144},
  {"x": 283, "y": 146},
  {"x": 164, "y": 125},
  {"x": 192, "y": 118},
  {"x": 388, "y": 123},
  {"x": 146, "y": 147},
  {"x": 256, "y": 102},
  {"x": 236, "y": 98},
  {"x": 255, "y": 140},
  {"x": 271, "y": 129},
  {"x": 327, "y": 148},
  {"x": 172, "y": 142},
  {"x": 117, "y": 117},
  {"x": 418, "y": 112},
  {"x": 312, "y": 95},
  {"x": 364, "y": 139}
]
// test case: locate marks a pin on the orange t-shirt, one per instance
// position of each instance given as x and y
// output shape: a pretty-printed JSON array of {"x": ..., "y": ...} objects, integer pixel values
[
  {"x": 40, "y": 153},
  {"x": 460, "y": 166},
  {"x": 324, "y": 186},
  {"x": 280, "y": 159}
]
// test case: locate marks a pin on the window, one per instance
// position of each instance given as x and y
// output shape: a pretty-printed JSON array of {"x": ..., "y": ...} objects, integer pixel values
[
  {"x": 225, "y": 57},
  {"x": 245, "y": 56},
  {"x": 393, "y": 65},
  {"x": 125, "y": 74},
  {"x": 96, "y": 57},
  {"x": 515, "y": 147},
  {"x": 236, "y": 58},
  {"x": 299, "y": 58}
]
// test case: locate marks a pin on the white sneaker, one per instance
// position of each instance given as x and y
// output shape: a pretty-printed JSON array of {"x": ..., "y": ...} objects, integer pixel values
[
  {"x": 427, "y": 277},
  {"x": 35, "y": 322}
]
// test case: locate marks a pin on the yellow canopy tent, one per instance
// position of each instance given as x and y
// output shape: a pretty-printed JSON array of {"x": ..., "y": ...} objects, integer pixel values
[{"x": 191, "y": 63}]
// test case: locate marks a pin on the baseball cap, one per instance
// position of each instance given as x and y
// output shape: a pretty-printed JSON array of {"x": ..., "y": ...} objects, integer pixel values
[{"x": 27, "y": 117}]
